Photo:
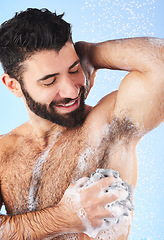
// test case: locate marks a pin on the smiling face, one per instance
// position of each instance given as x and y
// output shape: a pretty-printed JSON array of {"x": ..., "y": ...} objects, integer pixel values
[{"x": 53, "y": 85}]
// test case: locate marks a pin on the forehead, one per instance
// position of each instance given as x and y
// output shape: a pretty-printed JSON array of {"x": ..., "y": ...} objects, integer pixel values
[{"x": 50, "y": 61}]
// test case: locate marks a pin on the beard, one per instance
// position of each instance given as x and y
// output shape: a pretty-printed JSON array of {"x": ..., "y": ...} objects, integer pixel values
[{"x": 49, "y": 113}]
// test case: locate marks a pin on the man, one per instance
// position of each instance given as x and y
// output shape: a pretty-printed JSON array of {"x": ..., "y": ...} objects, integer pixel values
[{"x": 65, "y": 140}]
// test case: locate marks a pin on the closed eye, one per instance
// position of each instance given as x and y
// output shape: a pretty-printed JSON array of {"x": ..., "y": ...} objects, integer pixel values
[
  {"x": 49, "y": 83},
  {"x": 48, "y": 80},
  {"x": 74, "y": 72}
]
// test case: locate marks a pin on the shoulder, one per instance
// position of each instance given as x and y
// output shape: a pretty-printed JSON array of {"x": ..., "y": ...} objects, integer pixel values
[
  {"x": 9, "y": 140},
  {"x": 103, "y": 110},
  {"x": 7, "y": 145}
]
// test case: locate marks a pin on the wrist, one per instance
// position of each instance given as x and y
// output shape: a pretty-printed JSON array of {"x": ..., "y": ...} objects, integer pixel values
[{"x": 69, "y": 220}]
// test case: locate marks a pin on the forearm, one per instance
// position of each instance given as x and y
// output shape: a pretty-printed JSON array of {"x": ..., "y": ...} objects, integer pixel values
[
  {"x": 34, "y": 225},
  {"x": 85, "y": 203},
  {"x": 135, "y": 54}
]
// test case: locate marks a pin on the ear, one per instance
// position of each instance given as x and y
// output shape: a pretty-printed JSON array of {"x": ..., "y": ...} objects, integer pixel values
[{"x": 12, "y": 84}]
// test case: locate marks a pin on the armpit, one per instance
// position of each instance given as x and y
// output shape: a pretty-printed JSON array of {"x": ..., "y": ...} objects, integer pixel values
[{"x": 120, "y": 129}]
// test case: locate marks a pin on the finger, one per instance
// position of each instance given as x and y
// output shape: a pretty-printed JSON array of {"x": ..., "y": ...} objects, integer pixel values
[
  {"x": 105, "y": 213},
  {"x": 108, "y": 198},
  {"x": 106, "y": 182},
  {"x": 121, "y": 194},
  {"x": 80, "y": 183},
  {"x": 100, "y": 186}
]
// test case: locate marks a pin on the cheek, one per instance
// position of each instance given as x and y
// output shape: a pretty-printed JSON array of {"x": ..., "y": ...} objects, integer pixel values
[
  {"x": 46, "y": 97},
  {"x": 82, "y": 79}
]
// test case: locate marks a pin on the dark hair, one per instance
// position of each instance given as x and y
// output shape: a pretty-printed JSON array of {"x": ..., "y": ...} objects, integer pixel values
[{"x": 28, "y": 32}]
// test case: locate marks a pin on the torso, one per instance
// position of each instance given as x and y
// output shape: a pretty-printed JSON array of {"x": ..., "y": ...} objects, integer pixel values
[{"x": 33, "y": 177}]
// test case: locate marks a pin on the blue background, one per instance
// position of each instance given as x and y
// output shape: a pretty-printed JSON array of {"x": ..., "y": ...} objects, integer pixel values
[{"x": 100, "y": 20}]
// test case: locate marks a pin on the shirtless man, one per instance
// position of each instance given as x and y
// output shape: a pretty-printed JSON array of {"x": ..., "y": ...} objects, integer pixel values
[{"x": 65, "y": 140}]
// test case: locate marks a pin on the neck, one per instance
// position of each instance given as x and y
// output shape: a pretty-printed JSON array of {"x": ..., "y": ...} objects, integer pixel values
[{"x": 42, "y": 129}]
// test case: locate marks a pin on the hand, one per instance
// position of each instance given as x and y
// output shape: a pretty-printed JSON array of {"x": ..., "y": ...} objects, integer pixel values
[
  {"x": 84, "y": 51},
  {"x": 91, "y": 202},
  {"x": 80, "y": 202}
]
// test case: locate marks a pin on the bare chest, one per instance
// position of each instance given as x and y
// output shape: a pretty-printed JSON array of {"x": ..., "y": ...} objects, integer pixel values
[{"x": 33, "y": 179}]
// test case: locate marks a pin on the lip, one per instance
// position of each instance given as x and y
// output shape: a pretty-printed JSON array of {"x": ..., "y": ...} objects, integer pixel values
[{"x": 69, "y": 107}]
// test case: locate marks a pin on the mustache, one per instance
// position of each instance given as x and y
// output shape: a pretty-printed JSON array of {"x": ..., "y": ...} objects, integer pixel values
[{"x": 66, "y": 100}]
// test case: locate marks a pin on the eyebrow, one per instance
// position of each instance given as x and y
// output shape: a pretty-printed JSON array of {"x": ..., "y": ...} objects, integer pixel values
[
  {"x": 74, "y": 64},
  {"x": 47, "y": 77},
  {"x": 55, "y": 74}
]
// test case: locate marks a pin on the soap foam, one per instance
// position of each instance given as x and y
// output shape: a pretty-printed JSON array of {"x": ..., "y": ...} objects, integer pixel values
[
  {"x": 37, "y": 174},
  {"x": 119, "y": 209}
]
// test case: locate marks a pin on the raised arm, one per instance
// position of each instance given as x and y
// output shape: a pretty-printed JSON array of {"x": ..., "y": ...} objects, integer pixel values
[
  {"x": 129, "y": 54},
  {"x": 141, "y": 93}
]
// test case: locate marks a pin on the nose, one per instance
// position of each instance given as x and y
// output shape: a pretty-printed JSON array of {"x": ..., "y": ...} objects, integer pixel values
[{"x": 68, "y": 89}]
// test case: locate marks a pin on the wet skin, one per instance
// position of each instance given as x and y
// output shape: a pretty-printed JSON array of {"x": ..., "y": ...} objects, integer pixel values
[
  {"x": 40, "y": 159},
  {"x": 25, "y": 184}
]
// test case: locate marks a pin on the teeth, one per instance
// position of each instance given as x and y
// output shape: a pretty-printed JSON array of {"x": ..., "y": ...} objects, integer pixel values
[{"x": 68, "y": 104}]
